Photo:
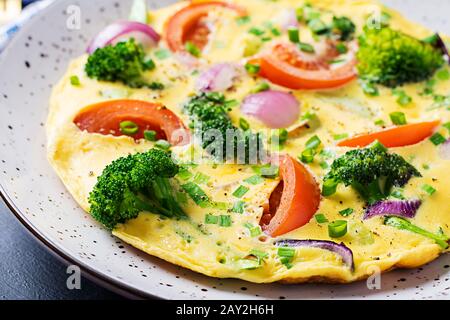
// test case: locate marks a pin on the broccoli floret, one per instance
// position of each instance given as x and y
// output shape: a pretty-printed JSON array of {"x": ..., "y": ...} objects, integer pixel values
[
  {"x": 391, "y": 58},
  {"x": 135, "y": 183},
  {"x": 211, "y": 122},
  {"x": 124, "y": 62},
  {"x": 371, "y": 171}
]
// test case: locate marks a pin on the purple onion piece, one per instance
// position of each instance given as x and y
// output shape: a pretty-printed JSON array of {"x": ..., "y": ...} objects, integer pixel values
[
  {"x": 219, "y": 77},
  {"x": 440, "y": 44},
  {"x": 399, "y": 208},
  {"x": 338, "y": 248}
]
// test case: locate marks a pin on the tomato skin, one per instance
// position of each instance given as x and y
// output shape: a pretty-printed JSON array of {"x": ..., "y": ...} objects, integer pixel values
[
  {"x": 285, "y": 74},
  {"x": 181, "y": 24},
  {"x": 400, "y": 136},
  {"x": 105, "y": 118},
  {"x": 298, "y": 202}
]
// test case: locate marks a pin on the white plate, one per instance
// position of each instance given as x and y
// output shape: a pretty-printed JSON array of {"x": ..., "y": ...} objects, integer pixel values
[{"x": 33, "y": 62}]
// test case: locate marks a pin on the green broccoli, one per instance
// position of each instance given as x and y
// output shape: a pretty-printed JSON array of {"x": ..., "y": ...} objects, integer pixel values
[
  {"x": 124, "y": 62},
  {"x": 135, "y": 183},
  {"x": 344, "y": 27},
  {"x": 210, "y": 120},
  {"x": 391, "y": 58},
  {"x": 371, "y": 171}
]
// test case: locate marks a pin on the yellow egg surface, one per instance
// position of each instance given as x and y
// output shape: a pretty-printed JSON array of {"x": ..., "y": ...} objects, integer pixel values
[{"x": 79, "y": 157}]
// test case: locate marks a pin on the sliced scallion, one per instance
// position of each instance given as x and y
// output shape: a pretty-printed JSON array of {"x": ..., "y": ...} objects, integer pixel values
[{"x": 128, "y": 127}]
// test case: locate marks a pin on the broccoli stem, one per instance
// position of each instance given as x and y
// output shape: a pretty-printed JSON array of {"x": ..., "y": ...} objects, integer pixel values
[{"x": 403, "y": 224}]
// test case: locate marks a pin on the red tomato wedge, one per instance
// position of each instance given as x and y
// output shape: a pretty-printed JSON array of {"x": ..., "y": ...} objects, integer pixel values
[
  {"x": 186, "y": 24},
  {"x": 288, "y": 67},
  {"x": 105, "y": 118},
  {"x": 400, "y": 136},
  {"x": 294, "y": 201}
]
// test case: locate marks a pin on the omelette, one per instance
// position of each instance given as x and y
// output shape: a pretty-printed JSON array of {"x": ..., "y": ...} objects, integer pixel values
[{"x": 349, "y": 100}]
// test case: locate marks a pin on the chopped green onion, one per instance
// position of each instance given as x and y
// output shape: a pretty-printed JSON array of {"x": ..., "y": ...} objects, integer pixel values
[
  {"x": 306, "y": 47},
  {"x": 238, "y": 207},
  {"x": 263, "y": 86},
  {"x": 340, "y": 136},
  {"x": 329, "y": 187},
  {"x": 346, "y": 212},
  {"x": 254, "y": 230},
  {"x": 428, "y": 189},
  {"x": 443, "y": 74},
  {"x": 324, "y": 165},
  {"x": 75, "y": 81},
  {"x": 369, "y": 88},
  {"x": 307, "y": 156},
  {"x": 447, "y": 126},
  {"x": 243, "y": 124},
  {"x": 184, "y": 173},
  {"x": 254, "y": 180},
  {"x": 259, "y": 254},
  {"x": 162, "y": 54},
  {"x": 337, "y": 229},
  {"x": 192, "y": 49},
  {"x": 219, "y": 205},
  {"x": 163, "y": 144},
  {"x": 240, "y": 191},
  {"x": 398, "y": 118},
  {"x": 294, "y": 35},
  {"x": 267, "y": 171},
  {"x": 150, "y": 135},
  {"x": 335, "y": 61},
  {"x": 402, "y": 98},
  {"x": 403, "y": 224},
  {"x": 317, "y": 26},
  {"x": 231, "y": 103},
  {"x": 128, "y": 127},
  {"x": 320, "y": 218},
  {"x": 211, "y": 219},
  {"x": 437, "y": 139},
  {"x": 201, "y": 178},
  {"x": 275, "y": 31},
  {"x": 197, "y": 194},
  {"x": 248, "y": 264},
  {"x": 252, "y": 68},
  {"x": 313, "y": 143},
  {"x": 341, "y": 48},
  {"x": 286, "y": 262},
  {"x": 243, "y": 20},
  {"x": 225, "y": 221},
  {"x": 286, "y": 252},
  {"x": 256, "y": 31},
  {"x": 379, "y": 122}
]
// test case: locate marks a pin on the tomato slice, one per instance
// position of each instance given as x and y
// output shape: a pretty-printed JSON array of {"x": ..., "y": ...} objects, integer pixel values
[
  {"x": 186, "y": 24},
  {"x": 285, "y": 65},
  {"x": 105, "y": 118},
  {"x": 294, "y": 201},
  {"x": 400, "y": 136}
]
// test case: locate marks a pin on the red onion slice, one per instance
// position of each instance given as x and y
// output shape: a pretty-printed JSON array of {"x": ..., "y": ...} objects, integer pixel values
[
  {"x": 123, "y": 30},
  {"x": 288, "y": 19},
  {"x": 219, "y": 77},
  {"x": 444, "y": 150},
  {"x": 276, "y": 109},
  {"x": 338, "y": 248},
  {"x": 399, "y": 208}
]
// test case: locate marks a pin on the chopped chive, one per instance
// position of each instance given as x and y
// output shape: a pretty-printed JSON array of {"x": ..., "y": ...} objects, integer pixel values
[
  {"x": 286, "y": 252},
  {"x": 337, "y": 229},
  {"x": 201, "y": 178},
  {"x": 340, "y": 136},
  {"x": 320, "y": 218},
  {"x": 162, "y": 54},
  {"x": 267, "y": 171},
  {"x": 324, "y": 165},
  {"x": 329, "y": 187},
  {"x": 259, "y": 254},
  {"x": 266, "y": 39},
  {"x": 256, "y": 31},
  {"x": 428, "y": 189},
  {"x": 294, "y": 35},
  {"x": 192, "y": 49},
  {"x": 346, "y": 212},
  {"x": 313, "y": 142},
  {"x": 240, "y": 191},
  {"x": 379, "y": 122},
  {"x": 243, "y": 124},
  {"x": 128, "y": 127},
  {"x": 341, "y": 48},
  {"x": 276, "y": 32},
  {"x": 306, "y": 47},
  {"x": 231, "y": 103},
  {"x": 243, "y": 20},
  {"x": 437, "y": 139},
  {"x": 263, "y": 86},
  {"x": 286, "y": 262},
  {"x": 225, "y": 221},
  {"x": 398, "y": 118},
  {"x": 150, "y": 135},
  {"x": 307, "y": 156},
  {"x": 369, "y": 88},
  {"x": 254, "y": 230},
  {"x": 197, "y": 194},
  {"x": 211, "y": 219},
  {"x": 254, "y": 180},
  {"x": 252, "y": 68},
  {"x": 402, "y": 98},
  {"x": 238, "y": 207},
  {"x": 163, "y": 144},
  {"x": 75, "y": 81},
  {"x": 219, "y": 205}
]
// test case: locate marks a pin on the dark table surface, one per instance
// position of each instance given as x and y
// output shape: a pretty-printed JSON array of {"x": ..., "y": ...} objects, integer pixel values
[{"x": 29, "y": 271}]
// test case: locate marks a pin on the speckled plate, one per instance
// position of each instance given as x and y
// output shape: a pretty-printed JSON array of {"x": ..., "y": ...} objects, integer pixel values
[{"x": 32, "y": 63}]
